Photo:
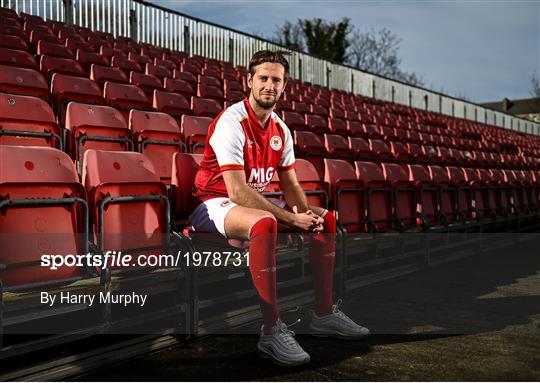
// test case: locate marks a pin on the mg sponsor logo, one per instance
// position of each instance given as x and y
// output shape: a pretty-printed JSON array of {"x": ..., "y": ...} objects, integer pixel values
[{"x": 261, "y": 175}]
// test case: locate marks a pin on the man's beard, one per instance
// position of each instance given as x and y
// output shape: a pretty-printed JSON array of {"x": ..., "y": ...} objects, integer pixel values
[{"x": 265, "y": 104}]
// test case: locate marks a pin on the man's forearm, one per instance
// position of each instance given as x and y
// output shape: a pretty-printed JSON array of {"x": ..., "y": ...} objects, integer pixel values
[
  {"x": 295, "y": 196},
  {"x": 246, "y": 196}
]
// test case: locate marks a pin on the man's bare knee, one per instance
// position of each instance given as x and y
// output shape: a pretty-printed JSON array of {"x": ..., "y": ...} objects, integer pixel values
[{"x": 240, "y": 220}]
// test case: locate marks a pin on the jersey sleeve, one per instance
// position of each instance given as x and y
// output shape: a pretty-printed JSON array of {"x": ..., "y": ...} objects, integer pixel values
[
  {"x": 287, "y": 160},
  {"x": 227, "y": 141}
]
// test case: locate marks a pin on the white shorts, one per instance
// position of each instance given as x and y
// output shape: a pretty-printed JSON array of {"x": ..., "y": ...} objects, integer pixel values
[{"x": 209, "y": 216}]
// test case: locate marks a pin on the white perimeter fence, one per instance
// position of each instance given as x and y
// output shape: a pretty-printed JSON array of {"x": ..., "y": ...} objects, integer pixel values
[{"x": 145, "y": 22}]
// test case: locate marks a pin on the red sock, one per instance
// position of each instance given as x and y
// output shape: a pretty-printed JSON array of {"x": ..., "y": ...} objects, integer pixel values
[
  {"x": 322, "y": 256},
  {"x": 262, "y": 265}
]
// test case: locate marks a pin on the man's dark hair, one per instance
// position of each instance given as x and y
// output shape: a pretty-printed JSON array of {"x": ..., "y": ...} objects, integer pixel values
[{"x": 267, "y": 56}]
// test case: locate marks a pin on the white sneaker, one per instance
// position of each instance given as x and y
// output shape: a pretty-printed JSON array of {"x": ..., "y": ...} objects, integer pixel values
[
  {"x": 337, "y": 324},
  {"x": 281, "y": 347}
]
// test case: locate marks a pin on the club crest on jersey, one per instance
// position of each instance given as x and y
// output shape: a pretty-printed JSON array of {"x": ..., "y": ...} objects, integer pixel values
[{"x": 275, "y": 143}]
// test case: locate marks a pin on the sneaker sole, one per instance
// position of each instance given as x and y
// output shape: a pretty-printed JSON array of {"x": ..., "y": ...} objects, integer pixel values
[
  {"x": 322, "y": 334},
  {"x": 269, "y": 355}
]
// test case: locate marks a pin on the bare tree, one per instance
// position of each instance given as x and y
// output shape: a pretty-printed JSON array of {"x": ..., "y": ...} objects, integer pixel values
[
  {"x": 535, "y": 85},
  {"x": 378, "y": 52}
]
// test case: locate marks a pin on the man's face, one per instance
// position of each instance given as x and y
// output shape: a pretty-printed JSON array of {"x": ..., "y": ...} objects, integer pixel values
[{"x": 267, "y": 84}]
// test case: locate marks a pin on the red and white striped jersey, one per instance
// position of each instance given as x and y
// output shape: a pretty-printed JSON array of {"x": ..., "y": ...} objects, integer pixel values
[{"x": 237, "y": 141}]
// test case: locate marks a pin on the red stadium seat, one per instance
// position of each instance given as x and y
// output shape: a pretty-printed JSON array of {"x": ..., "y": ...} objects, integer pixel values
[
  {"x": 195, "y": 130},
  {"x": 448, "y": 193},
  {"x": 77, "y": 43},
  {"x": 294, "y": 120},
  {"x": 338, "y": 147},
  {"x": 361, "y": 149},
  {"x": 234, "y": 96},
  {"x": 148, "y": 83},
  {"x": 300, "y": 107},
  {"x": 95, "y": 127},
  {"x": 172, "y": 103},
  {"x": 17, "y": 58},
  {"x": 185, "y": 168},
  {"x": 50, "y": 65},
  {"x": 308, "y": 145},
  {"x": 170, "y": 65},
  {"x": 319, "y": 110},
  {"x": 27, "y": 121},
  {"x": 404, "y": 195},
  {"x": 355, "y": 129},
  {"x": 86, "y": 59},
  {"x": 204, "y": 107},
  {"x": 229, "y": 85},
  {"x": 13, "y": 42},
  {"x": 465, "y": 199},
  {"x": 126, "y": 65},
  {"x": 67, "y": 88},
  {"x": 310, "y": 181},
  {"x": 23, "y": 81},
  {"x": 179, "y": 86},
  {"x": 380, "y": 150},
  {"x": 101, "y": 74},
  {"x": 426, "y": 194},
  {"x": 210, "y": 92},
  {"x": 55, "y": 50},
  {"x": 186, "y": 76},
  {"x": 159, "y": 71},
  {"x": 128, "y": 203},
  {"x": 209, "y": 81},
  {"x": 11, "y": 30},
  {"x": 109, "y": 52},
  {"x": 43, "y": 204},
  {"x": 347, "y": 194},
  {"x": 316, "y": 124},
  {"x": 379, "y": 204},
  {"x": 141, "y": 60},
  {"x": 338, "y": 126},
  {"x": 125, "y": 97},
  {"x": 158, "y": 136}
]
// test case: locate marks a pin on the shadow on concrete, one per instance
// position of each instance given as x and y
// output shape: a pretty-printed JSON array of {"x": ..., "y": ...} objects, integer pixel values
[{"x": 495, "y": 292}]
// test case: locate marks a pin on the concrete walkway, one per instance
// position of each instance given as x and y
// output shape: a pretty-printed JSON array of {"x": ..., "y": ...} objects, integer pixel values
[{"x": 473, "y": 319}]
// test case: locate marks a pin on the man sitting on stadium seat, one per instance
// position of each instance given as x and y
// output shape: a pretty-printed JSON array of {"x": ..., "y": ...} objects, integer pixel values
[{"x": 246, "y": 143}]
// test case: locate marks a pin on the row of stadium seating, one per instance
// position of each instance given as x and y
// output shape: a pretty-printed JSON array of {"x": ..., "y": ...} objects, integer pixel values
[
  {"x": 212, "y": 79},
  {"x": 125, "y": 196},
  {"x": 121, "y": 151}
]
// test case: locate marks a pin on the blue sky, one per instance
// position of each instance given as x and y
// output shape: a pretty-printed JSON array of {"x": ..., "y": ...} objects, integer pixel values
[{"x": 484, "y": 50}]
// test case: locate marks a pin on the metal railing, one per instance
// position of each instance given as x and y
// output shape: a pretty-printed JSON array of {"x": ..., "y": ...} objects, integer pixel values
[{"x": 149, "y": 23}]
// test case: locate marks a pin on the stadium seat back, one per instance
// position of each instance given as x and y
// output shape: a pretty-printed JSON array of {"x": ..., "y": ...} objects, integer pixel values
[
  {"x": 379, "y": 195},
  {"x": 172, "y": 103},
  {"x": 204, "y": 107},
  {"x": 347, "y": 194},
  {"x": 158, "y": 136},
  {"x": 39, "y": 214},
  {"x": 95, "y": 127},
  {"x": 404, "y": 193},
  {"x": 23, "y": 81},
  {"x": 18, "y": 58},
  {"x": 27, "y": 121},
  {"x": 185, "y": 168},
  {"x": 136, "y": 221},
  {"x": 427, "y": 193},
  {"x": 68, "y": 88},
  {"x": 195, "y": 130}
]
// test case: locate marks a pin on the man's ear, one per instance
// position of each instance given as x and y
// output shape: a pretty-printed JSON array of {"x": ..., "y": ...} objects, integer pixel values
[{"x": 249, "y": 81}]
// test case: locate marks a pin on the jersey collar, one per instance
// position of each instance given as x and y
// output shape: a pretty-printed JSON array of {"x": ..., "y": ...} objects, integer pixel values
[{"x": 253, "y": 117}]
